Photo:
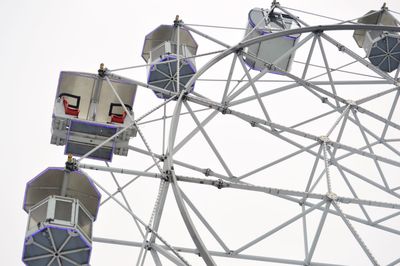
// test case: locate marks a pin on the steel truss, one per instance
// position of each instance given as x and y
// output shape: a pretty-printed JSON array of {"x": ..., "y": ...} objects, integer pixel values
[{"x": 329, "y": 151}]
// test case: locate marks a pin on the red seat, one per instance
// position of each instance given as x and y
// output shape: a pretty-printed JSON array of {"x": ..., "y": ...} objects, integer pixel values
[
  {"x": 69, "y": 110},
  {"x": 118, "y": 118}
]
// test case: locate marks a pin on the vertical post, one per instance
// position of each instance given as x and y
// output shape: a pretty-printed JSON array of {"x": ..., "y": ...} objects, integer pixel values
[
  {"x": 178, "y": 27},
  {"x": 65, "y": 182},
  {"x": 94, "y": 100}
]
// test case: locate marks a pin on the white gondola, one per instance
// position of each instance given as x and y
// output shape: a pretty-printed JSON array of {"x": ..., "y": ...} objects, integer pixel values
[
  {"x": 87, "y": 112},
  {"x": 382, "y": 48},
  {"x": 62, "y": 206},
  {"x": 160, "y": 51},
  {"x": 262, "y": 22}
]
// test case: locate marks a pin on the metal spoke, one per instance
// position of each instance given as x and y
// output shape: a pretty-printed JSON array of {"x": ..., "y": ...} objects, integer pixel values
[
  {"x": 38, "y": 257},
  {"x": 321, "y": 175},
  {"x": 355, "y": 234},
  {"x": 43, "y": 247},
  {"x": 64, "y": 243},
  {"x": 205, "y": 171},
  {"x": 205, "y": 36},
  {"x": 69, "y": 260},
  {"x": 327, "y": 68},
  {"x": 120, "y": 190},
  {"x": 189, "y": 223},
  {"x": 353, "y": 192},
  {"x": 278, "y": 228},
  {"x": 208, "y": 139},
  {"x": 169, "y": 116},
  {"x": 155, "y": 257},
  {"x": 369, "y": 181},
  {"x": 228, "y": 81},
  {"x": 216, "y": 253},
  {"x": 284, "y": 158},
  {"x": 343, "y": 114},
  {"x": 313, "y": 169},
  {"x": 164, "y": 62},
  {"x": 51, "y": 261},
  {"x": 395, "y": 262},
  {"x": 387, "y": 217},
  {"x": 305, "y": 233},
  {"x": 374, "y": 80},
  {"x": 341, "y": 130},
  {"x": 310, "y": 53},
  {"x": 260, "y": 102},
  {"x": 370, "y": 149},
  {"x": 127, "y": 184},
  {"x": 167, "y": 255},
  {"x": 326, "y": 160},
  {"x": 74, "y": 251},
  {"x": 205, "y": 223},
  {"x": 395, "y": 100},
  {"x": 317, "y": 234},
  {"x": 194, "y": 132},
  {"x": 350, "y": 217}
]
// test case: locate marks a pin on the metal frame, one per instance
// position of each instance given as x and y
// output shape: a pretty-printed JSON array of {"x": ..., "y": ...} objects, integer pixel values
[{"x": 332, "y": 152}]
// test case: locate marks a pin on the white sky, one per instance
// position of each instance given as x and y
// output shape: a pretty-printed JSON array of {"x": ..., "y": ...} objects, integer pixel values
[{"x": 41, "y": 38}]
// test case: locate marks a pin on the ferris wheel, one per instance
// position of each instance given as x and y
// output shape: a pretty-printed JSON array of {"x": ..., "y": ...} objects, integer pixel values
[{"x": 282, "y": 148}]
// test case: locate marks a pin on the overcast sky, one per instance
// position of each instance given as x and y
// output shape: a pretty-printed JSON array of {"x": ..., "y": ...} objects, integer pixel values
[{"x": 38, "y": 39}]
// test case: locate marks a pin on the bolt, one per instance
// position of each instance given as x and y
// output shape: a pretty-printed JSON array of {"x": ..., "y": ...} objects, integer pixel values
[
  {"x": 207, "y": 172},
  {"x": 331, "y": 196},
  {"x": 324, "y": 139},
  {"x": 351, "y": 102},
  {"x": 220, "y": 183}
]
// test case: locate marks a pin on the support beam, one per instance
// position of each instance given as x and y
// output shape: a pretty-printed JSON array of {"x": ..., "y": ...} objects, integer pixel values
[
  {"x": 355, "y": 234},
  {"x": 317, "y": 234},
  {"x": 278, "y": 228},
  {"x": 214, "y": 253}
]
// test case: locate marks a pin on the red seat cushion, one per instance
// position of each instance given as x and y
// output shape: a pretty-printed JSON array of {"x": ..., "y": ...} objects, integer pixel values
[
  {"x": 69, "y": 110},
  {"x": 118, "y": 118}
]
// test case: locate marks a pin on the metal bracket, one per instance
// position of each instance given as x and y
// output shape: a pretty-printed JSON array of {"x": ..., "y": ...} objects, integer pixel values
[
  {"x": 331, "y": 196},
  {"x": 220, "y": 183},
  {"x": 271, "y": 67},
  {"x": 351, "y": 102},
  {"x": 324, "y": 139},
  {"x": 318, "y": 32},
  {"x": 71, "y": 164},
  {"x": 177, "y": 21},
  {"x": 166, "y": 176},
  {"x": 239, "y": 52},
  {"x": 102, "y": 70},
  {"x": 224, "y": 110},
  {"x": 163, "y": 158},
  {"x": 184, "y": 96},
  {"x": 275, "y": 3},
  {"x": 147, "y": 246},
  {"x": 301, "y": 202},
  {"x": 207, "y": 172},
  {"x": 341, "y": 48}
]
